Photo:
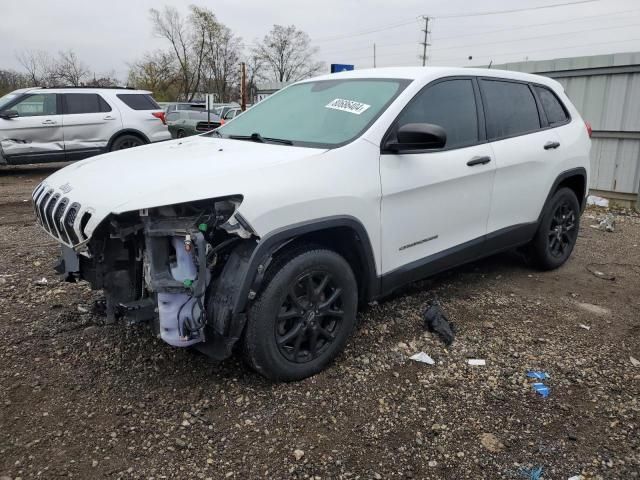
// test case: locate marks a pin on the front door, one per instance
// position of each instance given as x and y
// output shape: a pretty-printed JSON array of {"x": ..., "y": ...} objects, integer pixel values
[
  {"x": 436, "y": 203},
  {"x": 36, "y": 134}
]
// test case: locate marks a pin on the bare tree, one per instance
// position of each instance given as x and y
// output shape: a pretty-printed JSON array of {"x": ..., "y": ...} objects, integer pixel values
[
  {"x": 288, "y": 54},
  {"x": 39, "y": 66},
  {"x": 11, "y": 80},
  {"x": 70, "y": 70},
  {"x": 156, "y": 71},
  {"x": 221, "y": 54},
  {"x": 187, "y": 39},
  {"x": 255, "y": 74}
]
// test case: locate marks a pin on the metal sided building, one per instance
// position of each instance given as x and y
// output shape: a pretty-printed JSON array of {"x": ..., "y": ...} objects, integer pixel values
[{"x": 606, "y": 91}]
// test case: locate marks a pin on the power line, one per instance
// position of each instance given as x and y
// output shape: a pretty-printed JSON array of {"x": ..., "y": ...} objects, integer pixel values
[
  {"x": 499, "y": 12},
  {"x": 364, "y": 32},
  {"x": 438, "y": 49},
  {"x": 486, "y": 32},
  {"x": 535, "y": 37},
  {"x": 547, "y": 49},
  {"x": 451, "y": 47}
]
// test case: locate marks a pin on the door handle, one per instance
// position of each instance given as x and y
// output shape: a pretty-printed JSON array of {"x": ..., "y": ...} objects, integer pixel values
[
  {"x": 48, "y": 122},
  {"x": 551, "y": 145},
  {"x": 478, "y": 161},
  {"x": 109, "y": 117}
]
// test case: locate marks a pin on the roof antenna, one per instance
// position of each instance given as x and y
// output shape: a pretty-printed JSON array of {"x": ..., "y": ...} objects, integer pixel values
[{"x": 490, "y": 63}]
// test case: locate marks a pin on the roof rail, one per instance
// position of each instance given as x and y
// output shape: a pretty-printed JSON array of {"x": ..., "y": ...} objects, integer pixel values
[{"x": 89, "y": 86}]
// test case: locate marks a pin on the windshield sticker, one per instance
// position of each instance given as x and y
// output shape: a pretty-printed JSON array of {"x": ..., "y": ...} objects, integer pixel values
[{"x": 347, "y": 106}]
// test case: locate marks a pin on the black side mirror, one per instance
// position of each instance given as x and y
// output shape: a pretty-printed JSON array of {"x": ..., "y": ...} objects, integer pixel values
[
  {"x": 9, "y": 114},
  {"x": 418, "y": 136}
]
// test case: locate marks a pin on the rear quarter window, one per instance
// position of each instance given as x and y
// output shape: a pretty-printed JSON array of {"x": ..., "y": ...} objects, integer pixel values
[
  {"x": 555, "y": 111},
  {"x": 510, "y": 108},
  {"x": 139, "y": 101}
]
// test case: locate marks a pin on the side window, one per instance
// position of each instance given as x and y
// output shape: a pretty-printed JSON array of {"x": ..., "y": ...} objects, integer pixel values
[
  {"x": 553, "y": 108},
  {"x": 510, "y": 108},
  {"x": 37, "y": 105},
  {"x": 139, "y": 101},
  {"x": 450, "y": 104},
  {"x": 76, "y": 103}
]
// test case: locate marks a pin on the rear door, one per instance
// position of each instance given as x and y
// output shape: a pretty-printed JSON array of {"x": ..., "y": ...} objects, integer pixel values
[
  {"x": 89, "y": 124},
  {"x": 435, "y": 203},
  {"x": 36, "y": 134},
  {"x": 527, "y": 151}
]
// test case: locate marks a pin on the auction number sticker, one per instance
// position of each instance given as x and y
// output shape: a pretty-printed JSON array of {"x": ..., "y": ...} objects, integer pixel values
[{"x": 348, "y": 106}]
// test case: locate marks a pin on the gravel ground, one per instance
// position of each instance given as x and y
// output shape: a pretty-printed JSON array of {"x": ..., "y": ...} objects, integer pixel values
[{"x": 81, "y": 399}]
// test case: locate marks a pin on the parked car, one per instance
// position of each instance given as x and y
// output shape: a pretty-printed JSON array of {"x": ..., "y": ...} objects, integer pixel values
[
  {"x": 184, "y": 123},
  {"x": 231, "y": 114},
  {"x": 222, "y": 110},
  {"x": 268, "y": 232},
  {"x": 185, "y": 107},
  {"x": 60, "y": 124}
]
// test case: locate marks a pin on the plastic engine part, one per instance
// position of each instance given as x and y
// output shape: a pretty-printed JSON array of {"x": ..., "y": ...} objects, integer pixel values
[{"x": 175, "y": 309}]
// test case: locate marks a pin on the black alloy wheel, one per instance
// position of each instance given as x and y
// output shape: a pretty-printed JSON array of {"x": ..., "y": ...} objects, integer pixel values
[
  {"x": 309, "y": 317},
  {"x": 562, "y": 231}
]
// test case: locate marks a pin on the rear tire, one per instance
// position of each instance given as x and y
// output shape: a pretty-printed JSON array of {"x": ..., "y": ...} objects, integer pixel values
[
  {"x": 303, "y": 317},
  {"x": 181, "y": 134},
  {"x": 557, "y": 232},
  {"x": 126, "y": 141}
]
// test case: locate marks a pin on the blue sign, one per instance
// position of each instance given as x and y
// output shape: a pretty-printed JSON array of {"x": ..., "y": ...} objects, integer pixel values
[{"x": 340, "y": 67}]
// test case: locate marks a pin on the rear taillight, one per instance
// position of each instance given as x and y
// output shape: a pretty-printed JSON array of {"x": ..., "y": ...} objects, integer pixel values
[
  {"x": 160, "y": 115},
  {"x": 589, "y": 129},
  {"x": 221, "y": 121}
]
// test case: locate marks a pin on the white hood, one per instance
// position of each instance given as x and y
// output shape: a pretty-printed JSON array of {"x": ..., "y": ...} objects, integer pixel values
[{"x": 168, "y": 173}]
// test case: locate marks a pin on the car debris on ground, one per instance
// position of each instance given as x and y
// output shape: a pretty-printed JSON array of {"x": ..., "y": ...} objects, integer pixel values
[
  {"x": 423, "y": 358},
  {"x": 436, "y": 321}
]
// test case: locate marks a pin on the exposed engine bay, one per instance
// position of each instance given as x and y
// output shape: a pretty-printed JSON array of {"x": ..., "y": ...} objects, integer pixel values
[{"x": 178, "y": 267}]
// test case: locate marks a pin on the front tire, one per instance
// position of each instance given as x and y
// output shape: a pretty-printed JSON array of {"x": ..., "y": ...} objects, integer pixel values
[
  {"x": 557, "y": 232},
  {"x": 303, "y": 317}
]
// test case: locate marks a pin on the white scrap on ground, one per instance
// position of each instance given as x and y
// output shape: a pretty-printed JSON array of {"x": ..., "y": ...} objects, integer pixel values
[
  {"x": 423, "y": 358},
  {"x": 635, "y": 362},
  {"x": 586, "y": 327},
  {"x": 597, "y": 201},
  {"x": 479, "y": 362}
]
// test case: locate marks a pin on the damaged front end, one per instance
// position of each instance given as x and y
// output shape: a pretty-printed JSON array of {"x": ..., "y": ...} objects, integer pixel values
[{"x": 178, "y": 267}]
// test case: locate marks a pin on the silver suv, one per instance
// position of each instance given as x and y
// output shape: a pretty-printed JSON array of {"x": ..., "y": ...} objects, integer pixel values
[{"x": 62, "y": 124}]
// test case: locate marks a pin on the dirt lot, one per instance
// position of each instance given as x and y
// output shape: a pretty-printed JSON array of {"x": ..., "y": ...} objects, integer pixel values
[{"x": 84, "y": 400}]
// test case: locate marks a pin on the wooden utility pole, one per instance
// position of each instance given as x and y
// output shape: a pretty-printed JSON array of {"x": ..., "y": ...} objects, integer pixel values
[
  {"x": 243, "y": 87},
  {"x": 425, "y": 44}
]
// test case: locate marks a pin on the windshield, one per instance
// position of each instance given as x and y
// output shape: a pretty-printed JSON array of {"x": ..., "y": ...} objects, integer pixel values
[
  {"x": 325, "y": 113},
  {"x": 4, "y": 100}
]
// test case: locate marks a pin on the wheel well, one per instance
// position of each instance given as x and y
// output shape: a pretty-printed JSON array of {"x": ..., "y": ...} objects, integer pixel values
[
  {"x": 122, "y": 133},
  {"x": 345, "y": 242},
  {"x": 575, "y": 183}
]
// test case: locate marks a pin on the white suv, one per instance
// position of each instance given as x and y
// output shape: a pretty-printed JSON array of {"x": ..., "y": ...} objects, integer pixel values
[
  {"x": 270, "y": 231},
  {"x": 61, "y": 124}
]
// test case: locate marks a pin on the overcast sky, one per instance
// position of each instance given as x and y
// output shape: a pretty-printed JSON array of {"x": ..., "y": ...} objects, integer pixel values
[{"x": 108, "y": 35}]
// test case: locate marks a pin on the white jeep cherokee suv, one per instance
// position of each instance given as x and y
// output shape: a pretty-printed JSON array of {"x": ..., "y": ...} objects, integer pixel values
[
  {"x": 63, "y": 124},
  {"x": 270, "y": 231}
]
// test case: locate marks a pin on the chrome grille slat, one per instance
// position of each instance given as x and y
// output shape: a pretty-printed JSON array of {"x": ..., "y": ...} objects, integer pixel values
[
  {"x": 41, "y": 209},
  {"x": 57, "y": 218},
  {"x": 48, "y": 213},
  {"x": 69, "y": 220}
]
